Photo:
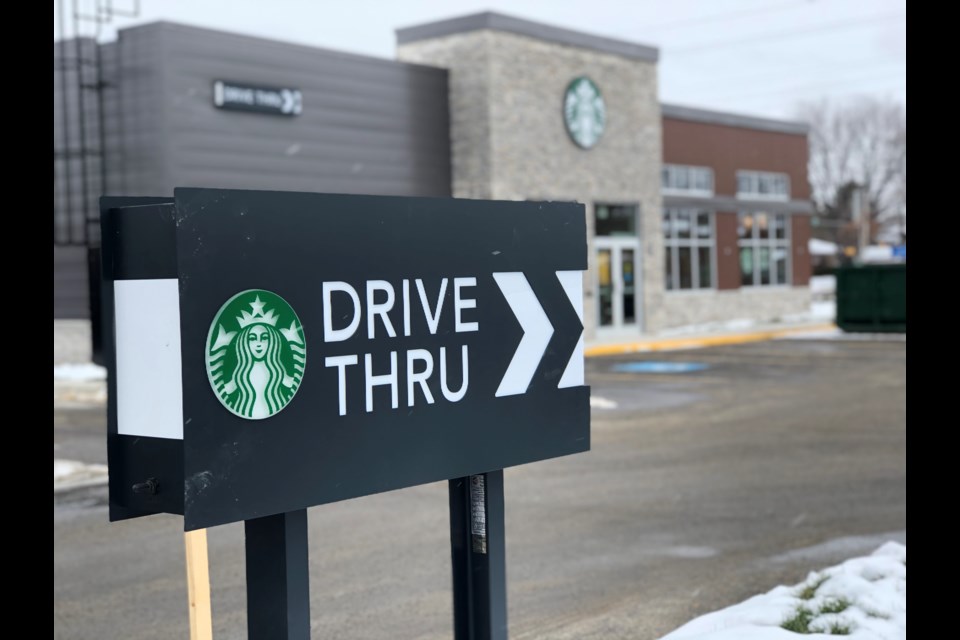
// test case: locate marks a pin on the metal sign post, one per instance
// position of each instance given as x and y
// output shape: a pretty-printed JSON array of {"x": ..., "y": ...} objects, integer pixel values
[
  {"x": 278, "y": 577},
  {"x": 272, "y": 351},
  {"x": 478, "y": 557}
]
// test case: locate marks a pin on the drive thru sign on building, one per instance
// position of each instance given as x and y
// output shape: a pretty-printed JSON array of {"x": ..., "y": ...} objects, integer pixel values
[{"x": 272, "y": 351}]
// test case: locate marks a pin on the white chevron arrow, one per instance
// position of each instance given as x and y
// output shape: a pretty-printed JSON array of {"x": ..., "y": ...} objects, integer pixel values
[
  {"x": 572, "y": 283},
  {"x": 536, "y": 332}
]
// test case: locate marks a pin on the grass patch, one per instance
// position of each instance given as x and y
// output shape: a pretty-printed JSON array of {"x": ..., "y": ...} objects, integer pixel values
[
  {"x": 810, "y": 590},
  {"x": 835, "y": 605},
  {"x": 873, "y": 613},
  {"x": 839, "y": 629},
  {"x": 800, "y": 622}
]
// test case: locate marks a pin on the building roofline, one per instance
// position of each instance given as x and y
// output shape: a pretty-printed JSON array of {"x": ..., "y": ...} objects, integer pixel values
[
  {"x": 694, "y": 114},
  {"x": 500, "y": 22},
  {"x": 265, "y": 40}
]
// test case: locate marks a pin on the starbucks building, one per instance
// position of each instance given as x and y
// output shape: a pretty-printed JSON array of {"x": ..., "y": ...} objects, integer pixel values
[{"x": 693, "y": 216}]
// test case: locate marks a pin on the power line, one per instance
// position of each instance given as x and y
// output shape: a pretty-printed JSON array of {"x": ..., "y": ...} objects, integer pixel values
[
  {"x": 722, "y": 17},
  {"x": 780, "y": 102},
  {"x": 817, "y": 30},
  {"x": 803, "y": 87},
  {"x": 721, "y": 102},
  {"x": 777, "y": 72}
]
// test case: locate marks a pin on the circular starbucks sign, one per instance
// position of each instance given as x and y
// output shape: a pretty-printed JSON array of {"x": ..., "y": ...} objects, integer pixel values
[
  {"x": 584, "y": 112},
  {"x": 255, "y": 354}
]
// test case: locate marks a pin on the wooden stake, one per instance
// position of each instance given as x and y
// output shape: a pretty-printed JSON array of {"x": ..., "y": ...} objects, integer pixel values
[{"x": 198, "y": 585}]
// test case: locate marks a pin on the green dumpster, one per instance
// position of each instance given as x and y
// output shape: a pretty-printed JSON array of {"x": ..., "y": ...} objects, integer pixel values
[{"x": 872, "y": 298}]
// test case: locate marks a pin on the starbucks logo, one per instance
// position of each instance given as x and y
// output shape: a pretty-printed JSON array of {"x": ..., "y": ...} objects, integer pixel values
[
  {"x": 255, "y": 354},
  {"x": 584, "y": 112}
]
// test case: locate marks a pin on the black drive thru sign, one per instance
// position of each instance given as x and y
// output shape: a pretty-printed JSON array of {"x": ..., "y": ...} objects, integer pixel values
[
  {"x": 272, "y": 351},
  {"x": 278, "y": 101}
]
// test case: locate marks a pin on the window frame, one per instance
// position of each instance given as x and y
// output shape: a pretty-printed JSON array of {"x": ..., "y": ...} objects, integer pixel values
[
  {"x": 757, "y": 177},
  {"x": 672, "y": 244},
  {"x": 687, "y": 191},
  {"x": 635, "y": 219},
  {"x": 771, "y": 243}
]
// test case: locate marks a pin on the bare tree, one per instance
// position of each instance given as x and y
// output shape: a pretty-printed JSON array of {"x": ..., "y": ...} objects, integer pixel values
[{"x": 863, "y": 142}]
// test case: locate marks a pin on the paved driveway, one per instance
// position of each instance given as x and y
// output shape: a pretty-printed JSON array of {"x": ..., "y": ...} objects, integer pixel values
[{"x": 701, "y": 489}]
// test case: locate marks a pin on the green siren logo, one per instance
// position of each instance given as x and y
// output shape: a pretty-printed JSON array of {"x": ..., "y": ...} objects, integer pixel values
[
  {"x": 255, "y": 354},
  {"x": 584, "y": 112}
]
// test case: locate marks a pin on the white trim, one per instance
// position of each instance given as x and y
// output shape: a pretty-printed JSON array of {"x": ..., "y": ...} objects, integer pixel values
[
  {"x": 672, "y": 246},
  {"x": 693, "y": 193},
  {"x": 149, "y": 383},
  {"x": 760, "y": 197},
  {"x": 755, "y": 243},
  {"x": 763, "y": 197},
  {"x": 666, "y": 189},
  {"x": 616, "y": 245}
]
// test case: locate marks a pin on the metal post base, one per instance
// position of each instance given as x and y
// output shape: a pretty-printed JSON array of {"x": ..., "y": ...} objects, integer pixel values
[{"x": 278, "y": 577}]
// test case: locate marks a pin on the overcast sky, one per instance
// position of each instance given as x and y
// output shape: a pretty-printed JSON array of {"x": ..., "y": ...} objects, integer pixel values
[{"x": 749, "y": 56}]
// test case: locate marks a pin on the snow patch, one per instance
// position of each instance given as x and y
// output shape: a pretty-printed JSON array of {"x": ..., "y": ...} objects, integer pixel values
[
  {"x": 866, "y": 595},
  {"x": 740, "y": 324},
  {"x": 818, "y": 247},
  {"x": 72, "y": 474},
  {"x": 597, "y": 402},
  {"x": 823, "y": 284},
  {"x": 823, "y": 310},
  {"x": 87, "y": 371}
]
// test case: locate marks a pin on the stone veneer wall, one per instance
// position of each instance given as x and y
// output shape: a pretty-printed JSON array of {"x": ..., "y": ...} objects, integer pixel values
[
  {"x": 509, "y": 141},
  {"x": 468, "y": 58},
  {"x": 761, "y": 304}
]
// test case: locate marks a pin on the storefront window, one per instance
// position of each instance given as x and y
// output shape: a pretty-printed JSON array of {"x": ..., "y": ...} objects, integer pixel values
[
  {"x": 615, "y": 220},
  {"x": 689, "y": 245},
  {"x": 764, "y": 249}
]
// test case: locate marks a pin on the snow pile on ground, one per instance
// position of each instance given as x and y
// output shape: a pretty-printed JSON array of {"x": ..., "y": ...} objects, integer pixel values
[
  {"x": 71, "y": 474},
  {"x": 596, "y": 402},
  {"x": 823, "y": 286},
  {"x": 741, "y": 324},
  {"x": 79, "y": 372},
  {"x": 79, "y": 384},
  {"x": 863, "y": 598},
  {"x": 823, "y": 310}
]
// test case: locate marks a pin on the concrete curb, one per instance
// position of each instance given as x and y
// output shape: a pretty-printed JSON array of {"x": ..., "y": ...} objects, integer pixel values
[{"x": 699, "y": 342}]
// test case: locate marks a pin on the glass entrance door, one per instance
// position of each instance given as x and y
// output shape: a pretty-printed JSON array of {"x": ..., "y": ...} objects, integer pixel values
[{"x": 618, "y": 287}]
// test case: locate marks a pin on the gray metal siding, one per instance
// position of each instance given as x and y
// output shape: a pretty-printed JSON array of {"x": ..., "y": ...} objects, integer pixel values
[
  {"x": 133, "y": 139},
  {"x": 70, "y": 294},
  {"x": 73, "y": 132},
  {"x": 368, "y": 125},
  {"x": 135, "y": 118}
]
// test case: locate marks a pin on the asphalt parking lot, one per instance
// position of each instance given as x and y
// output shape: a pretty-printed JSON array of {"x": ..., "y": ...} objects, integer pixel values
[{"x": 703, "y": 487}]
